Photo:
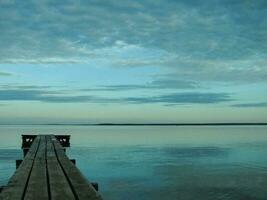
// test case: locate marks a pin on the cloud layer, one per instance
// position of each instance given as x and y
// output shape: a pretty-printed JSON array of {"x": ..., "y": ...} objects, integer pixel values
[
  {"x": 199, "y": 40},
  {"x": 217, "y": 29},
  {"x": 5, "y": 74},
  {"x": 61, "y": 97},
  {"x": 251, "y": 105}
]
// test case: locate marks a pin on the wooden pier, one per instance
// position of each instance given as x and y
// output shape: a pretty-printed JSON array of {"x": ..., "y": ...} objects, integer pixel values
[{"x": 46, "y": 173}]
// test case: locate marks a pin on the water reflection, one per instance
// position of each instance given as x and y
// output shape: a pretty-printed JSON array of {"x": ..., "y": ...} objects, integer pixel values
[
  {"x": 141, "y": 172},
  {"x": 7, "y": 163}
]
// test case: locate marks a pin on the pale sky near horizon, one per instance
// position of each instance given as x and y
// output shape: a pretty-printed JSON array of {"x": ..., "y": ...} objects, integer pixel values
[{"x": 144, "y": 61}]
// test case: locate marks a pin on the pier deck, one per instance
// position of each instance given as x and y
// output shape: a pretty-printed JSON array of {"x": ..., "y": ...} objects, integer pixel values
[{"x": 46, "y": 173}]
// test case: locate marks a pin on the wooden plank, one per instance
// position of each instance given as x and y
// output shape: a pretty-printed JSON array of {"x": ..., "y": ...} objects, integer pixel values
[
  {"x": 59, "y": 186},
  {"x": 83, "y": 190},
  {"x": 37, "y": 186},
  {"x": 17, "y": 184}
]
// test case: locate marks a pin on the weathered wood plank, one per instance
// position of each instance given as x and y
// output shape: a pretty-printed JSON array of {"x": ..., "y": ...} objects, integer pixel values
[
  {"x": 17, "y": 184},
  {"x": 59, "y": 186},
  {"x": 37, "y": 186},
  {"x": 82, "y": 188}
]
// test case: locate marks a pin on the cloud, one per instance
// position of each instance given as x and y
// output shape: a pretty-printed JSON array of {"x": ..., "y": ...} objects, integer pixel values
[
  {"x": 153, "y": 85},
  {"x": 183, "y": 98},
  {"x": 24, "y": 87},
  {"x": 5, "y": 74},
  {"x": 251, "y": 105},
  {"x": 42, "y": 95},
  {"x": 23, "y": 95},
  {"x": 60, "y": 97},
  {"x": 173, "y": 84}
]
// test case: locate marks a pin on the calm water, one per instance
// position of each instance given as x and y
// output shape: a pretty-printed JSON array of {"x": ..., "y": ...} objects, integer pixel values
[{"x": 167, "y": 163}]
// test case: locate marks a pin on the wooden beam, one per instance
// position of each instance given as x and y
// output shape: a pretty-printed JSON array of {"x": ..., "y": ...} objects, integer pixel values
[
  {"x": 17, "y": 185},
  {"x": 59, "y": 186},
  {"x": 37, "y": 186},
  {"x": 81, "y": 187}
]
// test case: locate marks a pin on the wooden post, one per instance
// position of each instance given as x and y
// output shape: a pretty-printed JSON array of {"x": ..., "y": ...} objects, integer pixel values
[
  {"x": 73, "y": 161},
  {"x": 64, "y": 140},
  {"x": 95, "y": 185},
  {"x": 27, "y": 140},
  {"x": 18, "y": 162}
]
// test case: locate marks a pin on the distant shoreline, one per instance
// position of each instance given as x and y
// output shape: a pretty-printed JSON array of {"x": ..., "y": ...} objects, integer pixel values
[{"x": 147, "y": 124}]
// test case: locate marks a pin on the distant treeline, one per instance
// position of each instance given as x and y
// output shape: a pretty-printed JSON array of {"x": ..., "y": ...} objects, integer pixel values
[{"x": 158, "y": 124}]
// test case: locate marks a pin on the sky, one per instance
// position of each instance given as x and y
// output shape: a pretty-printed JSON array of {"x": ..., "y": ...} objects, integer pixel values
[{"x": 143, "y": 61}]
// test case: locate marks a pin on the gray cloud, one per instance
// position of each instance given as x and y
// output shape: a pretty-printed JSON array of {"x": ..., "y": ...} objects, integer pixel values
[
  {"x": 183, "y": 98},
  {"x": 23, "y": 95},
  {"x": 156, "y": 84},
  {"x": 24, "y": 87},
  {"x": 43, "y": 96},
  {"x": 251, "y": 105},
  {"x": 5, "y": 74},
  {"x": 57, "y": 97},
  {"x": 173, "y": 84}
]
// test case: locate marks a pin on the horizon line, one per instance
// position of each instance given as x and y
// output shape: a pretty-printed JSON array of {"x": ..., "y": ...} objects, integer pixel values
[{"x": 148, "y": 124}]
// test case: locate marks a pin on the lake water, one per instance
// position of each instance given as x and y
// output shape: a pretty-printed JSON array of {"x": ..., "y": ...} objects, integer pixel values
[{"x": 153, "y": 162}]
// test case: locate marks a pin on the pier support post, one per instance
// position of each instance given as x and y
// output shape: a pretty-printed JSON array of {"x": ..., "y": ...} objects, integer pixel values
[
  {"x": 18, "y": 162},
  {"x": 64, "y": 140},
  {"x": 95, "y": 185},
  {"x": 73, "y": 161},
  {"x": 25, "y": 151},
  {"x": 27, "y": 140}
]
